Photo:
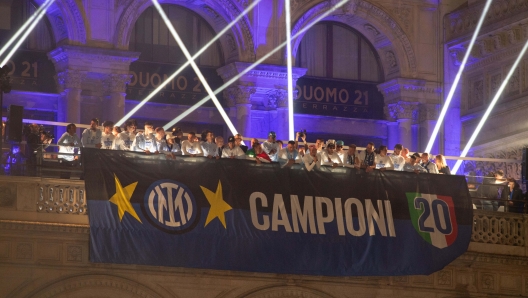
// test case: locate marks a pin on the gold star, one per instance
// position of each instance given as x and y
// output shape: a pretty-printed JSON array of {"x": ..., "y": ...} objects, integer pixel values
[
  {"x": 218, "y": 205},
  {"x": 122, "y": 199}
]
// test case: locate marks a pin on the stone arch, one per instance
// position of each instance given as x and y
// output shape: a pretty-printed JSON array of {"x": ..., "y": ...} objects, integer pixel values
[
  {"x": 388, "y": 38},
  {"x": 286, "y": 292},
  {"x": 237, "y": 45},
  {"x": 67, "y": 21},
  {"x": 94, "y": 285}
]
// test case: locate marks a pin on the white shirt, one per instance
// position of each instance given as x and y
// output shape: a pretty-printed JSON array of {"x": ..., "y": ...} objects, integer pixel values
[
  {"x": 408, "y": 167},
  {"x": 90, "y": 138},
  {"x": 65, "y": 142},
  {"x": 383, "y": 162},
  {"x": 334, "y": 158},
  {"x": 430, "y": 167},
  {"x": 161, "y": 146},
  {"x": 342, "y": 155},
  {"x": 143, "y": 142},
  {"x": 309, "y": 162},
  {"x": 107, "y": 141},
  {"x": 237, "y": 152},
  {"x": 268, "y": 147},
  {"x": 352, "y": 162},
  {"x": 210, "y": 149},
  {"x": 398, "y": 162},
  {"x": 189, "y": 148},
  {"x": 124, "y": 141}
]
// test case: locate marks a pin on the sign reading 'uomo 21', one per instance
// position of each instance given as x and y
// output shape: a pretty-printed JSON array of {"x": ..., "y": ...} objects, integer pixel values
[
  {"x": 236, "y": 215},
  {"x": 338, "y": 98}
]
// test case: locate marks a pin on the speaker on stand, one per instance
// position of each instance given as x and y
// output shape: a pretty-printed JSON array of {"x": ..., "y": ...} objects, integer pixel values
[{"x": 14, "y": 123}]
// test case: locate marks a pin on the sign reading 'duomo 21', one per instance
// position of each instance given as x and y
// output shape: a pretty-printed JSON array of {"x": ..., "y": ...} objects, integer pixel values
[
  {"x": 185, "y": 89},
  {"x": 336, "y": 98},
  {"x": 237, "y": 215}
]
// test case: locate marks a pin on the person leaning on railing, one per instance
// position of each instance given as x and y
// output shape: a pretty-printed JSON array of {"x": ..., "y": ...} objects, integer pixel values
[
  {"x": 441, "y": 165},
  {"x": 516, "y": 198}
]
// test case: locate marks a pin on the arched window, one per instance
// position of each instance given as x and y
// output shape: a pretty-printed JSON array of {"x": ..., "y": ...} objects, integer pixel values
[
  {"x": 332, "y": 50},
  {"x": 41, "y": 38},
  {"x": 152, "y": 38}
]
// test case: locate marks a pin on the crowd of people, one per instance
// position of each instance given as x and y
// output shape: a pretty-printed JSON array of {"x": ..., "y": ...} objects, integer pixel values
[{"x": 322, "y": 154}]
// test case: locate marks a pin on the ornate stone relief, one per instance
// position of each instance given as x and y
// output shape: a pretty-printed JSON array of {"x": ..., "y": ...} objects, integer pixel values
[
  {"x": 371, "y": 29},
  {"x": 402, "y": 110},
  {"x": 74, "y": 253},
  {"x": 476, "y": 94},
  {"x": 391, "y": 59},
  {"x": 238, "y": 95},
  {"x": 116, "y": 83},
  {"x": 62, "y": 199},
  {"x": 277, "y": 98},
  {"x": 483, "y": 168},
  {"x": 429, "y": 112},
  {"x": 404, "y": 14},
  {"x": 70, "y": 79},
  {"x": 465, "y": 20}
]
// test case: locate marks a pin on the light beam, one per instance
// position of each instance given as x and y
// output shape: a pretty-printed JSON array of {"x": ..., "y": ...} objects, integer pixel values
[
  {"x": 24, "y": 26},
  {"x": 457, "y": 78},
  {"x": 490, "y": 108},
  {"x": 179, "y": 70},
  {"x": 249, "y": 68},
  {"x": 291, "y": 129},
  {"x": 39, "y": 16},
  {"x": 195, "y": 68}
]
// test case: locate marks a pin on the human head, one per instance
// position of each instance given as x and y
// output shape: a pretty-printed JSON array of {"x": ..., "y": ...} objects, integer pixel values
[
  {"x": 94, "y": 123},
  {"x": 405, "y": 152},
  {"x": 440, "y": 161},
  {"x": 330, "y": 148},
  {"x": 34, "y": 128},
  {"x": 301, "y": 150},
  {"x": 513, "y": 184},
  {"x": 319, "y": 144},
  {"x": 280, "y": 144},
  {"x": 149, "y": 127},
  {"x": 257, "y": 147},
  {"x": 499, "y": 174},
  {"x": 131, "y": 125},
  {"x": 339, "y": 145},
  {"x": 370, "y": 147},
  {"x": 313, "y": 150},
  {"x": 291, "y": 146},
  {"x": 209, "y": 136},
  {"x": 383, "y": 150},
  {"x": 71, "y": 129},
  {"x": 397, "y": 149},
  {"x": 271, "y": 136},
  {"x": 108, "y": 126},
  {"x": 254, "y": 141},
  {"x": 160, "y": 133},
  {"x": 413, "y": 159},
  {"x": 231, "y": 142},
  {"x": 352, "y": 149},
  {"x": 219, "y": 141},
  {"x": 425, "y": 157},
  {"x": 116, "y": 130},
  {"x": 191, "y": 136},
  {"x": 238, "y": 139}
]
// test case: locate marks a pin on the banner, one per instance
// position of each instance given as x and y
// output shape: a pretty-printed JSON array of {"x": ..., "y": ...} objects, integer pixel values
[
  {"x": 337, "y": 98},
  {"x": 32, "y": 71},
  {"x": 236, "y": 215}
]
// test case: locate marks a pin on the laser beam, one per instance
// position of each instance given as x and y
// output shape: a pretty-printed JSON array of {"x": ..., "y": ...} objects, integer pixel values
[
  {"x": 290, "y": 72},
  {"x": 449, "y": 97},
  {"x": 490, "y": 108},
  {"x": 26, "y": 34},
  {"x": 179, "y": 70},
  {"x": 252, "y": 66},
  {"x": 195, "y": 68},
  {"x": 24, "y": 26}
]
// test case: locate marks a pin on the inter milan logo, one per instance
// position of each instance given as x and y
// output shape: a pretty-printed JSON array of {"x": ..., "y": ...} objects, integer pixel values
[
  {"x": 433, "y": 217},
  {"x": 170, "y": 205}
]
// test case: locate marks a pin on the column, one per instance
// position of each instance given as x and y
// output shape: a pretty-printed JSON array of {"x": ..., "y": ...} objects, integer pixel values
[
  {"x": 278, "y": 99},
  {"x": 238, "y": 99},
  {"x": 115, "y": 85},
  {"x": 405, "y": 113},
  {"x": 69, "y": 109},
  {"x": 393, "y": 134}
]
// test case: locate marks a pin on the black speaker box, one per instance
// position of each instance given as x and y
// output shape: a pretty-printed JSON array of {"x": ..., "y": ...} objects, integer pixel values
[{"x": 14, "y": 123}]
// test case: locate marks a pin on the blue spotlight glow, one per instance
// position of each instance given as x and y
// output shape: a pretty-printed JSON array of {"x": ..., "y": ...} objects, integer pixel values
[
  {"x": 457, "y": 79},
  {"x": 252, "y": 66},
  {"x": 490, "y": 108}
]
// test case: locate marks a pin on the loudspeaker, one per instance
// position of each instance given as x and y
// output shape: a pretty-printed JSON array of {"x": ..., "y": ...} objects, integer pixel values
[
  {"x": 524, "y": 166},
  {"x": 14, "y": 123}
]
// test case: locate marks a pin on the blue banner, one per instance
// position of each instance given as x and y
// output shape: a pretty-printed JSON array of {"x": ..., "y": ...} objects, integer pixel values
[{"x": 236, "y": 215}]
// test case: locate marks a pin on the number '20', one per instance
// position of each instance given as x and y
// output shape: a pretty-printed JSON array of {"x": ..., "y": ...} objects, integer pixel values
[{"x": 440, "y": 212}]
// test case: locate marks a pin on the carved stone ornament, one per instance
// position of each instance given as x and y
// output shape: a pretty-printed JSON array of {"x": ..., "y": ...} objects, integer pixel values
[
  {"x": 277, "y": 98},
  {"x": 70, "y": 79},
  {"x": 371, "y": 29},
  {"x": 429, "y": 112},
  {"x": 116, "y": 83},
  {"x": 402, "y": 110},
  {"x": 391, "y": 59},
  {"x": 74, "y": 253},
  {"x": 238, "y": 95}
]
